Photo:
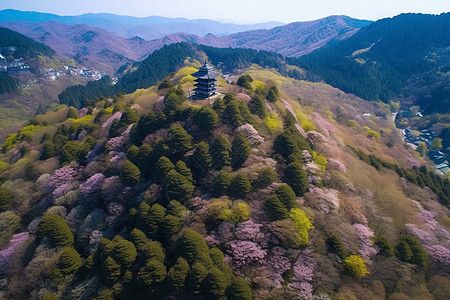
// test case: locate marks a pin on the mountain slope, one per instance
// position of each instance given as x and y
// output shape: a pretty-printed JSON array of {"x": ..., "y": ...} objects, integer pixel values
[
  {"x": 378, "y": 61},
  {"x": 126, "y": 26}
]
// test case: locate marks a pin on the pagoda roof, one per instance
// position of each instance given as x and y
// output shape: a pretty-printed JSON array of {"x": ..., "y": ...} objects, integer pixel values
[{"x": 206, "y": 72}]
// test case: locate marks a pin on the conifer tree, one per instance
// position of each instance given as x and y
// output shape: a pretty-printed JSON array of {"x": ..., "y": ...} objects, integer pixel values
[
  {"x": 152, "y": 273},
  {"x": 240, "y": 151},
  {"x": 72, "y": 113},
  {"x": 196, "y": 276},
  {"x": 178, "y": 141},
  {"x": 258, "y": 107},
  {"x": 276, "y": 208},
  {"x": 6, "y": 198},
  {"x": 273, "y": 94},
  {"x": 139, "y": 238},
  {"x": 171, "y": 225},
  {"x": 245, "y": 81},
  {"x": 177, "y": 186},
  {"x": 191, "y": 245},
  {"x": 200, "y": 161},
  {"x": 57, "y": 229},
  {"x": 154, "y": 219},
  {"x": 239, "y": 187},
  {"x": 232, "y": 115},
  {"x": 220, "y": 152},
  {"x": 265, "y": 178},
  {"x": 206, "y": 118},
  {"x": 178, "y": 273},
  {"x": 215, "y": 284},
  {"x": 130, "y": 173},
  {"x": 175, "y": 208},
  {"x": 124, "y": 251},
  {"x": 239, "y": 289},
  {"x": 296, "y": 177},
  {"x": 111, "y": 269},
  {"x": 153, "y": 250},
  {"x": 334, "y": 245},
  {"x": 181, "y": 168},
  {"x": 69, "y": 261},
  {"x": 162, "y": 168},
  {"x": 48, "y": 151},
  {"x": 219, "y": 106},
  {"x": 286, "y": 195},
  {"x": 221, "y": 184}
]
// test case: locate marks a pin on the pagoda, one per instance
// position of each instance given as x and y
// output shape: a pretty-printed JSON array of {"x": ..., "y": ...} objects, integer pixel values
[{"x": 205, "y": 82}]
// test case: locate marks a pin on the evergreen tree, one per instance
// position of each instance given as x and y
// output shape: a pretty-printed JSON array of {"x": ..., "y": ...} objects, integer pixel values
[
  {"x": 296, "y": 177},
  {"x": 6, "y": 198},
  {"x": 206, "y": 118},
  {"x": 181, "y": 168},
  {"x": 385, "y": 246},
  {"x": 154, "y": 218},
  {"x": 152, "y": 273},
  {"x": 276, "y": 208},
  {"x": 217, "y": 256},
  {"x": 178, "y": 273},
  {"x": 153, "y": 250},
  {"x": 232, "y": 115},
  {"x": 111, "y": 269},
  {"x": 175, "y": 208},
  {"x": 173, "y": 100},
  {"x": 403, "y": 251},
  {"x": 286, "y": 195},
  {"x": 220, "y": 152},
  {"x": 178, "y": 141},
  {"x": 69, "y": 261},
  {"x": 72, "y": 113},
  {"x": 177, "y": 186},
  {"x": 273, "y": 94},
  {"x": 239, "y": 187},
  {"x": 239, "y": 289},
  {"x": 258, "y": 107},
  {"x": 240, "y": 151},
  {"x": 215, "y": 284},
  {"x": 124, "y": 251},
  {"x": 265, "y": 178},
  {"x": 200, "y": 161},
  {"x": 334, "y": 245},
  {"x": 196, "y": 276},
  {"x": 162, "y": 168},
  {"x": 222, "y": 183},
  {"x": 172, "y": 225},
  {"x": 139, "y": 238},
  {"x": 191, "y": 245},
  {"x": 219, "y": 106},
  {"x": 130, "y": 173},
  {"x": 245, "y": 81},
  {"x": 57, "y": 229}
]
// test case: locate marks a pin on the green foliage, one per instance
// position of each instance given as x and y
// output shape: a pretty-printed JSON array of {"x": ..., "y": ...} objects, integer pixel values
[
  {"x": 286, "y": 195},
  {"x": 206, "y": 118},
  {"x": 153, "y": 250},
  {"x": 219, "y": 106},
  {"x": 178, "y": 141},
  {"x": 374, "y": 134},
  {"x": 334, "y": 245},
  {"x": 258, "y": 107},
  {"x": 215, "y": 284},
  {"x": 124, "y": 251},
  {"x": 302, "y": 225},
  {"x": 196, "y": 276},
  {"x": 172, "y": 225},
  {"x": 7, "y": 84},
  {"x": 162, "y": 169},
  {"x": 48, "y": 151},
  {"x": 245, "y": 81},
  {"x": 232, "y": 114},
  {"x": 239, "y": 289},
  {"x": 355, "y": 267},
  {"x": 139, "y": 238},
  {"x": 290, "y": 144},
  {"x": 222, "y": 183},
  {"x": 175, "y": 208},
  {"x": 409, "y": 249},
  {"x": 273, "y": 94},
  {"x": 216, "y": 255},
  {"x": 50, "y": 296},
  {"x": 177, "y": 186},
  {"x": 57, "y": 229},
  {"x": 6, "y": 198},
  {"x": 385, "y": 246},
  {"x": 296, "y": 177},
  {"x": 240, "y": 150},
  {"x": 181, "y": 168},
  {"x": 220, "y": 152},
  {"x": 265, "y": 178},
  {"x": 173, "y": 100},
  {"x": 25, "y": 47},
  {"x": 130, "y": 173},
  {"x": 129, "y": 116},
  {"x": 72, "y": 113},
  {"x": 191, "y": 246},
  {"x": 200, "y": 161},
  {"x": 153, "y": 272},
  {"x": 69, "y": 262},
  {"x": 239, "y": 187},
  {"x": 146, "y": 125},
  {"x": 436, "y": 144},
  {"x": 276, "y": 208},
  {"x": 178, "y": 273},
  {"x": 111, "y": 269}
]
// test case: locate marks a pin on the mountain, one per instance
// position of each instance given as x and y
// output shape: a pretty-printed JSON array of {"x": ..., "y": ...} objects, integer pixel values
[
  {"x": 148, "y": 28},
  {"x": 99, "y": 49},
  {"x": 273, "y": 189},
  {"x": 381, "y": 59}
]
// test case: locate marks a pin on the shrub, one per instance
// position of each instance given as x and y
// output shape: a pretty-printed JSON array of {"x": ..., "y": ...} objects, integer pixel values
[
  {"x": 374, "y": 134},
  {"x": 6, "y": 198},
  {"x": 355, "y": 267}
]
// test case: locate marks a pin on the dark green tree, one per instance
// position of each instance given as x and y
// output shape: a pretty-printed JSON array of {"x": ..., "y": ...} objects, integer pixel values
[
  {"x": 240, "y": 151},
  {"x": 334, "y": 245},
  {"x": 139, "y": 238},
  {"x": 6, "y": 198},
  {"x": 296, "y": 177},
  {"x": 217, "y": 256},
  {"x": 265, "y": 178},
  {"x": 111, "y": 269},
  {"x": 220, "y": 152},
  {"x": 215, "y": 284},
  {"x": 153, "y": 250},
  {"x": 206, "y": 118},
  {"x": 177, "y": 186},
  {"x": 286, "y": 195},
  {"x": 181, "y": 168},
  {"x": 273, "y": 94},
  {"x": 385, "y": 246},
  {"x": 239, "y": 289},
  {"x": 196, "y": 276},
  {"x": 403, "y": 251},
  {"x": 191, "y": 245},
  {"x": 175, "y": 208},
  {"x": 57, "y": 229},
  {"x": 219, "y": 106},
  {"x": 200, "y": 161},
  {"x": 72, "y": 113},
  {"x": 152, "y": 273},
  {"x": 245, "y": 81},
  {"x": 130, "y": 173},
  {"x": 222, "y": 183},
  {"x": 178, "y": 273},
  {"x": 232, "y": 114},
  {"x": 239, "y": 187},
  {"x": 162, "y": 168},
  {"x": 172, "y": 225},
  {"x": 178, "y": 141},
  {"x": 276, "y": 208},
  {"x": 258, "y": 107},
  {"x": 173, "y": 100},
  {"x": 69, "y": 262},
  {"x": 124, "y": 251}
]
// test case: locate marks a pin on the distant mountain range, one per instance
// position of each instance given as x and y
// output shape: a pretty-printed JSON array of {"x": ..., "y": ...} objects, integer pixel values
[
  {"x": 148, "y": 28},
  {"x": 100, "y": 49}
]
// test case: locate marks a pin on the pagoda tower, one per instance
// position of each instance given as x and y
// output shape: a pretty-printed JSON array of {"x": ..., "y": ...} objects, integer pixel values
[{"x": 205, "y": 82}]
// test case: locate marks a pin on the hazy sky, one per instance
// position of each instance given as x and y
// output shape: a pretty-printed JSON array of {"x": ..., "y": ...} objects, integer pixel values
[{"x": 240, "y": 11}]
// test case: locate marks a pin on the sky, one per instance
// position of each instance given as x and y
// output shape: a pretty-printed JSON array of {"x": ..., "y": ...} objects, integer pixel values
[{"x": 237, "y": 11}]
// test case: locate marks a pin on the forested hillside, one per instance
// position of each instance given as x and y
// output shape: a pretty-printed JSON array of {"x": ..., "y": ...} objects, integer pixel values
[
  {"x": 26, "y": 47},
  {"x": 380, "y": 59},
  {"x": 273, "y": 189}
]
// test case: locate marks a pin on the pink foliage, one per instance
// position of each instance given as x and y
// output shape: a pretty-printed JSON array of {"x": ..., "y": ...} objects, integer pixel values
[
  {"x": 95, "y": 237},
  {"x": 116, "y": 157},
  {"x": 301, "y": 290},
  {"x": 316, "y": 138},
  {"x": 245, "y": 252},
  {"x": 324, "y": 200},
  {"x": 152, "y": 137},
  {"x": 440, "y": 254},
  {"x": 212, "y": 239},
  {"x": 304, "y": 266},
  {"x": 323, "y": 125},
  {"x": 62, "y": 190},
  {"x": 277, "y": 263},
  {"x": 117, "y": 143},
  {"x": 225, "y": 232},
  {"x": 108, "y": 122},
  {"x": 289, "y": 108},
  {"x": 334, "y": 164},
  {"x": 243, "y": 96},
  {"x": 411, "y": 162},
  {"x": 61, "y": 181},
  {"x": 429, "y": 218},
  {"x": 425, "y": 237},
  {"x": 115, "y": 209},
  {"x": 17, "y": 240},
  {"x": 83, "y": 112},
  {"x": 366, "y": 249},
  {"x": 93, "y": 184},
  {"x": 249, "y": 231}
]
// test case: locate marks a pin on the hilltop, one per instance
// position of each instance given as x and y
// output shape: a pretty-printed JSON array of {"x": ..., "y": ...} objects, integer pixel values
[{"x": 275, "y": 189}]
